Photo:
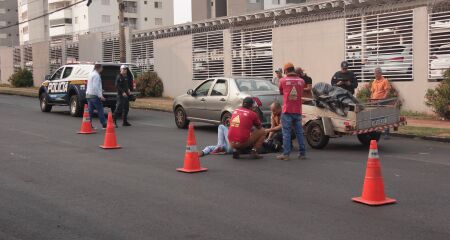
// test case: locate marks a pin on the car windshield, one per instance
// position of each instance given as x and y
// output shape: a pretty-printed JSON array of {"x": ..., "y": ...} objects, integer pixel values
[{"x": 253, "y": 85}]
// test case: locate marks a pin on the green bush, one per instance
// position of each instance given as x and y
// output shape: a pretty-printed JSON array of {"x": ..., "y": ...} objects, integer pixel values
[
  {"x": 439, "y": 98},
  {"x": 22, "y": 78},
  {"x": 150, "y": 84}
]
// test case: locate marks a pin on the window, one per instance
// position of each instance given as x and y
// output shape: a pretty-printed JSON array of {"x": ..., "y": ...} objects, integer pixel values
[
  {"x": 106, "y": 18},
  {"x": 295, "y": 1},
  {"x": 251, "y": 85},
  {"x": 105, "y": 2},
  {"x": 203, "y": 89},
  {"x": 276, "y": 2},
  {"x": 251, "y": 53},
  {"x": 145, "y": 2},
  {"x": 439, "y": 44},
  {"x": 67, "y": 72},
  {"x": 220, "y": 88},
  {"x": 381, "y": 40},
  {"x": 76, "y": 20},
  {"x": 60, "y": 22},
  {"x": 57, "y": 74},
  {"x": 145, "y": 19},
  {"x": 158, "y": 21},
  {"x": 207, "y": 55},
  {"x": 158, "y": 4},
  {"x": 142, "y": 54}
]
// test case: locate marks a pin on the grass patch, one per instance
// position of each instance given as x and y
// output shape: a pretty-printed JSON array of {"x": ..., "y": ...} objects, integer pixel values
[
  {"x": 418, "y": 115},
  {"x": 425, "y": 131}
]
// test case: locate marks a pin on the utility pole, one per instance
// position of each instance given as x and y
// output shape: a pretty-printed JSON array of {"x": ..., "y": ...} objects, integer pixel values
[{"x": 123, "y": 57}]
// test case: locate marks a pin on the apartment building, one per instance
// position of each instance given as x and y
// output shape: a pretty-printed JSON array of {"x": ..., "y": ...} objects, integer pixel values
[
  {"x": 101, "y": 15},
  {"x": 8, "y": 16},
  {"x": 206, "y": 9}
]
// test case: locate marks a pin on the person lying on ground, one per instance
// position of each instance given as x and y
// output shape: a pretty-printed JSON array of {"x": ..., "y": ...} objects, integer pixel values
[{"x": 222, "y": 147}]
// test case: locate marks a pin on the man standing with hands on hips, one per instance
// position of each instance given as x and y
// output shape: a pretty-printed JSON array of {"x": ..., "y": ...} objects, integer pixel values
[
  {"x": 123, "y": 91},
  {"x": 94, "y": 94},
  {"x": 291, "y": 87}
]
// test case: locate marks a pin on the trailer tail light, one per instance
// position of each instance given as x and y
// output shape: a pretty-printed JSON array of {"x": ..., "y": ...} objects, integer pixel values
[
  {"x": 134, "y": 84},
  {"x": 257, "y": 101},
  {"x": 348, "y": 126},
  {"x": 402, "y": 118}
]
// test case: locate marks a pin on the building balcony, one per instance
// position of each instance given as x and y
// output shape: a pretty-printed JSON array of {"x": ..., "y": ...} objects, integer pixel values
[
  {"x": 60, "y": 30},
  {"x": 66, "y": 13}
]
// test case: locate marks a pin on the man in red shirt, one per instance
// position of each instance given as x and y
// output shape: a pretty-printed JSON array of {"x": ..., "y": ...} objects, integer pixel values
[
  {"x": 240, "y": 134},
  {"x": 291, "y": 87}
]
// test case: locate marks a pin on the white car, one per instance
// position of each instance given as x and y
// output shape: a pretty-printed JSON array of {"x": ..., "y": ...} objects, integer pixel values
[
  {"x": 440, "y": 61},
  {"x": 395, "y": 59}
]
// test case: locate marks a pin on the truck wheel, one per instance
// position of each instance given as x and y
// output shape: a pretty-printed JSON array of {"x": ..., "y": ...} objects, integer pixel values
[
  {"x": 365, "y": 138},
  {"x": 181, "y": 118},
  {"x": 315, "y": 135},
  {"x": 43, "y": 101},
  {"x": 76, "y": 108},
  {"x": 226, "y": 119}
]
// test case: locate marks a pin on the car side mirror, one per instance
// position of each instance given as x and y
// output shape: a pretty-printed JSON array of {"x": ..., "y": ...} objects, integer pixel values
[
  {"x": 48, "y": 77},
  {"x": 191, "y": 92}
]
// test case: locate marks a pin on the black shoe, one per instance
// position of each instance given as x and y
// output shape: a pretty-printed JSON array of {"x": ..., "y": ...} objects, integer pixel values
[
  {"x": 126, "y": 124},
  {"x": 115, "y": 123},
  {"x": 104, "y": 126},
  {"x": 235, "y": 154}
]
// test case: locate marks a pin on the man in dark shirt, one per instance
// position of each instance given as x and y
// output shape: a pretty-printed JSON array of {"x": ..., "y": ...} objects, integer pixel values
[
  {"x": 123, "y": 91},
  {"x": 345, "y": 79},
  {"x": 308, "y": 82}
]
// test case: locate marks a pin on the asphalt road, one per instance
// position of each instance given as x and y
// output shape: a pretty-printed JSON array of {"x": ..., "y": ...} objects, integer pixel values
[{"x": 55, "y": 185}]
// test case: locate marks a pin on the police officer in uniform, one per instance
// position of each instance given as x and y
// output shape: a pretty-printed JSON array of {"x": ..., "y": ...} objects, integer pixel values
[
  {"x": 123, "y": 92},
  {"x": 345, "y": 79}
]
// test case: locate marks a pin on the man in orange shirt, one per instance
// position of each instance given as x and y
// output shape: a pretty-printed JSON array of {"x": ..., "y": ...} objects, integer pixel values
[
  {"x": 380, "y": 90},
  {"x": 380, "y": 86}
]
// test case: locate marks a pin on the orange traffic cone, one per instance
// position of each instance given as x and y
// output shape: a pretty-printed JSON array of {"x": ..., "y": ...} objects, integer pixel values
[
  {"x": 373, "y": 189},
  {"x": 86, "y": 126},
  {"x": 191, "y": 158},
  {"x": 110, "y": 136}
]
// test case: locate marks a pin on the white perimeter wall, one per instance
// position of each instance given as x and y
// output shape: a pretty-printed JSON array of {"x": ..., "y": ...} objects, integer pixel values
[
  {"x": 173, "y": 63},
  {"x": 412, "y": 93},
  {"x": 317, "y": 47}
]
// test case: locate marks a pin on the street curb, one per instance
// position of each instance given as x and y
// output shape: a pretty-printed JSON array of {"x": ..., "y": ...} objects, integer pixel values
[
  {"x": 35, "y": 95},
  {"x": 150, "y": 108},
  {"x": 436, "y": 139},
  {"x": 18, "y": 93}
]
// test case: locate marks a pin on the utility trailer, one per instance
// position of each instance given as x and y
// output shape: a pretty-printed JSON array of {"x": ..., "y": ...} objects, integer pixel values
[{"x": 365, "y": 121}]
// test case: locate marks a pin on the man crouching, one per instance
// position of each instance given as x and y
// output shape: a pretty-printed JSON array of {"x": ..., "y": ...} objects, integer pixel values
[{"x": 240, "y": 134}]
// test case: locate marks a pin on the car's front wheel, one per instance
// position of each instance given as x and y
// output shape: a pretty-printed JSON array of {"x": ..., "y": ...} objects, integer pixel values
[
  {"x": 180, "y": 118},
  {"x": 43, "y": 101},
  {"x": 76, "y": 108}
]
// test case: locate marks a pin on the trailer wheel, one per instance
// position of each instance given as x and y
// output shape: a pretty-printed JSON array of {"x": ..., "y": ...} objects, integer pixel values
[
  {"x": 315, "y": 135},
  {"x": 365, "y": 138}
]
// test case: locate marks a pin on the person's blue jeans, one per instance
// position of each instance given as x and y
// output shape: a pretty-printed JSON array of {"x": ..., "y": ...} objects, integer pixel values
[
  {"x": 96, "y": 103},
  {"x": 222, "y": 141},
  {"x": 289, "y": 120}
]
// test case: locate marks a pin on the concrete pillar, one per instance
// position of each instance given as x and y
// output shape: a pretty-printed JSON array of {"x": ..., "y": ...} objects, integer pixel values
[
  {"x": 40, "y": 62},
  {"x": 6, "y": 64},
  {"x": 227, "y": 52},
  {"x": 90, "y": 47}
]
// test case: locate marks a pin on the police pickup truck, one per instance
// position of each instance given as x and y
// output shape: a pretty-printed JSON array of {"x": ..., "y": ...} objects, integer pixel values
[{"x": 67, "y": 87}]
